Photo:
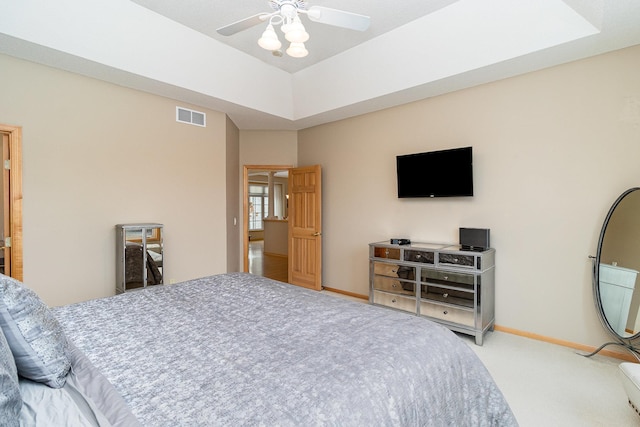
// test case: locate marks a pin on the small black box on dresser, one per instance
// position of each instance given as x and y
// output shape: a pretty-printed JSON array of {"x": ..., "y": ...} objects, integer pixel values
[{"x": 474, "y": 239}]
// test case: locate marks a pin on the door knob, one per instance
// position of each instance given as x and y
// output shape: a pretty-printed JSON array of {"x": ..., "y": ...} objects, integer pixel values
[{"x": 317, "y": 233}]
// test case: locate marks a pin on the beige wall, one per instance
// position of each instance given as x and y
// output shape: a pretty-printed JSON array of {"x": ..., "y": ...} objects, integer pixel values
[
  {"x": 234, "y": 210},
  {"x": 268, "y": 147},
  {"x": 552, "y": 150},
  {"x": 95, "y": 155}
]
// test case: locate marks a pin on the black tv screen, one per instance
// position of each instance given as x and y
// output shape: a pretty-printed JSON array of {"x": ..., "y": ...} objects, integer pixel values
[{"x": 445, "y": 173}]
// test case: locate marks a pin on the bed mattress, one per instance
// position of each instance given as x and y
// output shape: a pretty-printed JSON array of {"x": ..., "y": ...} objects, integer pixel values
[{"x": 238, "y": 349}]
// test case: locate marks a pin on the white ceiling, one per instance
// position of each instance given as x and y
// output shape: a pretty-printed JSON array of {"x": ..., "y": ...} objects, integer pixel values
[
  {"x": 414, "y": 49},
  {"x": 325, "y": 41}
]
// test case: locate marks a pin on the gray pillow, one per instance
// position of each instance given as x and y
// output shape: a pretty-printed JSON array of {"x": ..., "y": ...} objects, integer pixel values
[
  {"x": 35, "y": 337},
  {"x": 10, "y": 398}
]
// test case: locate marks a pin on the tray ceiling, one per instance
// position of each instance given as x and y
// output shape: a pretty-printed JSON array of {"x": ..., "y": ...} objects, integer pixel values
[{"x": 413, "y": 50}]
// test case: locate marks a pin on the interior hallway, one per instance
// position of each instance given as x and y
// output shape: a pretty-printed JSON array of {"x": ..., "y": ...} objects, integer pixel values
[{"x": 271, "y": 266}]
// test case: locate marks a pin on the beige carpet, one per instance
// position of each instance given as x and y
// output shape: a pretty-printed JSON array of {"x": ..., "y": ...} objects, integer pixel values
[{"x": 550, "y": 385}]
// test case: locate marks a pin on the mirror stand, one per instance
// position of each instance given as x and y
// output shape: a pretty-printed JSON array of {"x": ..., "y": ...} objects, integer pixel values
[
  {"x": 625, "y": 344},
  {"x": 615, "y": 270}
]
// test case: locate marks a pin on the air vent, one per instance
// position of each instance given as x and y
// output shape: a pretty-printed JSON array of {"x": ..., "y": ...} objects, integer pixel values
[{"x": 184, "y": 115}]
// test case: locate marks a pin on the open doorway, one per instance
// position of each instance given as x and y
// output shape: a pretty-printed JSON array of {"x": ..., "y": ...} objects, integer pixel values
[{"x": 265, "y": 220}]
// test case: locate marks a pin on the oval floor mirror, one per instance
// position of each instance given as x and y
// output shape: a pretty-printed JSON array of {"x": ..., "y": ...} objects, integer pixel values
[{"x": 615, "y": 273}]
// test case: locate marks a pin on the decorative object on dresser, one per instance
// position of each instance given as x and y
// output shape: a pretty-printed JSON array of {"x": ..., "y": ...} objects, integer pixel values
[
  {"x": 139, "y": 256},
  {"x": 474, "y": 239},
  {"x": 397, "y": 241},
  {"x": 441, "y": 282}
]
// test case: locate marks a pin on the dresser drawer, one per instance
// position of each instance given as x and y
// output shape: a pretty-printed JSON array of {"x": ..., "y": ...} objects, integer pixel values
[
  {"x": 394, "y": 270},
  {"x": 388, "y": 284},
  {"x": 395, "y": 301},
  {"x": 458, "y": 260},
  {"x": 426, "y": 257},
  {"x": 449, "y": 296},
  {"x": 384, "y": 252},
  {"x": 450, "y": 314},
  {"x": 448, "y": 278}
]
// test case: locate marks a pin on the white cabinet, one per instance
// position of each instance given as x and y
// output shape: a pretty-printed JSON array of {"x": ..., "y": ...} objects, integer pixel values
[
  {"x": 616, "y": 289},
  {"x": 139, "y": 256}
]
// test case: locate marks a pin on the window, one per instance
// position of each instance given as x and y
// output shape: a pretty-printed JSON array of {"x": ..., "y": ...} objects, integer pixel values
[{"x": 258, "y": 205}]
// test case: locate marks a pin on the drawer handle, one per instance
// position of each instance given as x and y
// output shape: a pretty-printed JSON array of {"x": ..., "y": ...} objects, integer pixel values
[
  {"x": 394, "y": 300},
  {"x": 455, "y": 260},
  {"x": 445, "y": 295},
  {"x": 445, "y": 277},
  {"x": 445, "y": 312},
  {"x": 386, "y": 251},
  {"x": 395, "y": 285},
  {"x": 394, "y": 271},
  {"x": 418, "y": 256}
]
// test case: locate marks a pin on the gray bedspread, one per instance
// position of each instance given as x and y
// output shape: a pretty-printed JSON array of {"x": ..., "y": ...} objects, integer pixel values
[{"x": 242, "y": 350}]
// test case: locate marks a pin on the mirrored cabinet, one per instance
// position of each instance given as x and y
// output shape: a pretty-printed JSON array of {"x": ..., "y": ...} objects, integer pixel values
[
  {"x": 443, "y": 282},
  {"x": 139, "y": 256}
]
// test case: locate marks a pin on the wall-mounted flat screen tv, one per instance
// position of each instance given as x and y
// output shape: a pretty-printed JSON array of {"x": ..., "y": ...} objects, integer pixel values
[{"x": 444, "y": 173}]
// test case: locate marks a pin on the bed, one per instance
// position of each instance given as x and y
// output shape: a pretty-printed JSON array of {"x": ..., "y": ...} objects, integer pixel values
[{"x": 237, "y": 349}]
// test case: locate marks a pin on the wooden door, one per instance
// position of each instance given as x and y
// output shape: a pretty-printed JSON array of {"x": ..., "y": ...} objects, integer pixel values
[
  {"x": 5, "y": 248},
  {"x": 12, "y": 199},
  {"x": 305, "y": 227}
]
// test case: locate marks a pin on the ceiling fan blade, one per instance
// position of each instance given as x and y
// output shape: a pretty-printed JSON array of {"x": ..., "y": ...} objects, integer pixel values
[
  {"x": 243, "y": 24},
  {"x": 339, "y": 18}
]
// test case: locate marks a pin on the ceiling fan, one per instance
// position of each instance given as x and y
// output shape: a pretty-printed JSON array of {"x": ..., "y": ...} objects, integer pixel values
[{"x": 287, "y": 14}]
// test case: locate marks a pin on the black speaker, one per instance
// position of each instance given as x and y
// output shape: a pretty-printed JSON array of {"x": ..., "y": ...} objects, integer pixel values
[{"x": 474, "y": 239}]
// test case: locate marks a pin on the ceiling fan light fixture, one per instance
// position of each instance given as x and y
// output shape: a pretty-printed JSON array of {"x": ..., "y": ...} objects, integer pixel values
[
  {"x": 297, "y": 50},
  {"x": 286, "y": 14},
  {"x": 269, "y": 39},
  {"x": 295, "y": 32},
  {"x": 286, "y": 25}
]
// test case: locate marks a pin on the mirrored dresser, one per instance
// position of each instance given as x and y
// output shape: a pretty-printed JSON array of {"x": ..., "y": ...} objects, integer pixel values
[
  {"x": 139, "y": 256},
  {"x": 442, "y": 282}
]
